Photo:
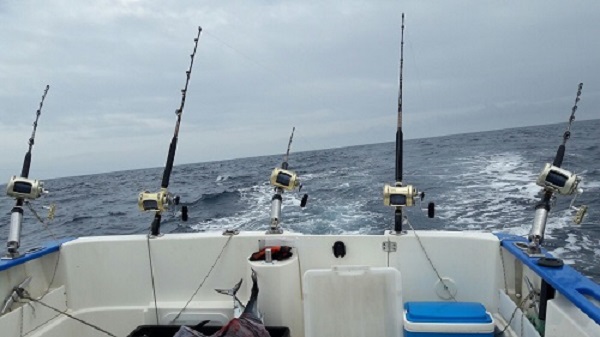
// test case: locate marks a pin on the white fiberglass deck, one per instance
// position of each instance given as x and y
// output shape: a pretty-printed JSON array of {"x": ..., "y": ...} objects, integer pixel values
[{"x": 107, "y": 281}]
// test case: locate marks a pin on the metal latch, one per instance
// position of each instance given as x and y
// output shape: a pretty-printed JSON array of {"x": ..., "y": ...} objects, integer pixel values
[{"x": 389, "y": 246}]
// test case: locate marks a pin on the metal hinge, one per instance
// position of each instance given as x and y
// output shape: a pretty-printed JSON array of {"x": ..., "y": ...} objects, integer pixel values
[{"x": 389, "y": 246}]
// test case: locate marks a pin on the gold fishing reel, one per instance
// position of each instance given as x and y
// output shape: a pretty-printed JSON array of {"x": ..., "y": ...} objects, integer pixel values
[
  {"x": 160, "y": 202},
  {"x": 154, "y": 202},
  {"x": 24, "y": 188},
  {"x": 399, "y": 196},
  {"x": 284, "y": 179}
]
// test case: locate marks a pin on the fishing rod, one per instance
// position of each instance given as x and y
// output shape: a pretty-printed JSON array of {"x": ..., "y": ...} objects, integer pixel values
[
  {"x": 160, "y": 201},
  {"x": 399, "y": 196},
  {"x": 283, "y": 179},
  {"x": 555, "y": 180},
  {"x": 399, "y": 133},
  {"x": 22, "y": 188}
]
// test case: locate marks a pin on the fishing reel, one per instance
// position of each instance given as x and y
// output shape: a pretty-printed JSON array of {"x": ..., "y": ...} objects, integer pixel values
[
  {"x": 399, "y": 196},
  {"x": 405, "y": 196},
  {"x": 154, "y": 202},
  {"x": 24, "y": 188},
  {"x": 558, "y": 180},
  {"x": 282, "y": 179},
  {"x": 160, "y": 202},
  {"x": 285, "y": 179}
]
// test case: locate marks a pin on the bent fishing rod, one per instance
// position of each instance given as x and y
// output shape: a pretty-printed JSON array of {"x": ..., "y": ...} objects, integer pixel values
[
  {"x": 22, "y": 188},
  {"x": 399, "y": 195},
  {"x": 555, "y": 180},
  {"x": 160, "y": 201}
]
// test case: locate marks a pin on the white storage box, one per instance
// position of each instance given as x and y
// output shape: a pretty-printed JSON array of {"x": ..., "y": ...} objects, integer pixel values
[{"x": 352, "y": 301}]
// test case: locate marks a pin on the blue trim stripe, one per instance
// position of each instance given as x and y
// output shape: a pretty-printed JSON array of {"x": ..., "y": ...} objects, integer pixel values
[
  {"x": 569, "y": 282},
  {"x": 46, "y": 249}
]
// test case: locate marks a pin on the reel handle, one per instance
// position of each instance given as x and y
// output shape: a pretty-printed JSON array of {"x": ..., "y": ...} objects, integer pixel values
[
  {"x": 430, "y": 210},
  {"x": 304, "y": 201},
  {"x": 184, "y": 213}
]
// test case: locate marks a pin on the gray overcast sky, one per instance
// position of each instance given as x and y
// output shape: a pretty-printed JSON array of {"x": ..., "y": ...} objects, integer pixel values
[{"x": 330, "y": 68}]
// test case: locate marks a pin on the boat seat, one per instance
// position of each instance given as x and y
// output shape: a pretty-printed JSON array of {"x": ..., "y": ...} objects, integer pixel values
[{"x": 352, "y": 301}]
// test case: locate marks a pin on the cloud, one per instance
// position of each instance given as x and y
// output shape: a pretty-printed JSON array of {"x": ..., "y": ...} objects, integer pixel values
[{"x": 329, "y": 68}]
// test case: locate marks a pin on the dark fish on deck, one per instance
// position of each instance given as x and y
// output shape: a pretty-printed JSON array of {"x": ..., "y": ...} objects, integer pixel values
[{"x": 248, "y": 324}]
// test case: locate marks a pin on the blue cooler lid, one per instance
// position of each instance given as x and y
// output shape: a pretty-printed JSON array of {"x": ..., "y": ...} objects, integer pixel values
[{"x": 446, "y": 312}]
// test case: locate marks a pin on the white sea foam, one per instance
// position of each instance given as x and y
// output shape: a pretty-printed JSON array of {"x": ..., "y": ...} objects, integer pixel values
[
  {"x": 587, "y": 185},
  {"x": 495, "y": 191}
]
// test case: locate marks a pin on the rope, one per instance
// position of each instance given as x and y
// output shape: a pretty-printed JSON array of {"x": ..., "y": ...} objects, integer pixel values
[
  {"x": 204, "y": 280},
  {"x": 512, "y": 316},
  {"x": 22, "y": 291},
  {"x": 430, "y": 261},
  {"x": 23, "y": 294}
]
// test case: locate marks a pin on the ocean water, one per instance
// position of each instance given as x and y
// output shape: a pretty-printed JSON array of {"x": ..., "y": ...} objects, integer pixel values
[{"x": 478, "y": 181}]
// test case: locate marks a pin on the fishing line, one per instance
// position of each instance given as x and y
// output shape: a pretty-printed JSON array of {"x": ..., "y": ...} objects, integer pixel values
[
  {"x": 430, "y": 261},
  {"x": 412, "y": 50},
  {"x": 152, "y": 278},
  {"x": 301, "y": 138},
  {"x": 272, "y": 71},
  {"x": 204, "y": 280},
  {"x": 278, "y": 74},
  {"x": 53, "y": 273},
  {"x": 39, "y": 218}
]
